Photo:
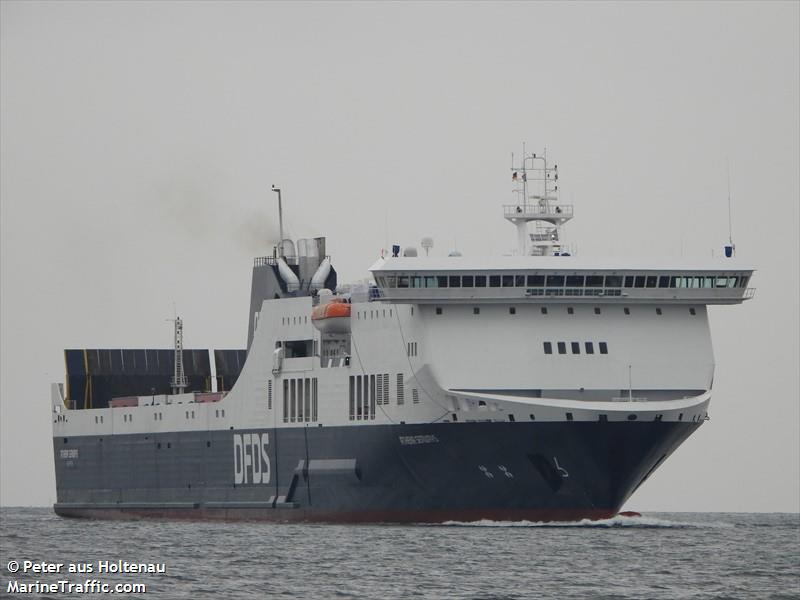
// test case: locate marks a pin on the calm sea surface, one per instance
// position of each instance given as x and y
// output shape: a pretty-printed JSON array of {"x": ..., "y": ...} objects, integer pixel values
[{"x": 660, "y": 555}]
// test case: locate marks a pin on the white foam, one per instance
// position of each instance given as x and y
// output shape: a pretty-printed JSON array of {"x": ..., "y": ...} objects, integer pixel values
[{"x": 617, "y": 521}]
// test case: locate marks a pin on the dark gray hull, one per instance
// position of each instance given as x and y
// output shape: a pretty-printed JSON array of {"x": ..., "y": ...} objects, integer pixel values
[{"x": 399, "y": 473}]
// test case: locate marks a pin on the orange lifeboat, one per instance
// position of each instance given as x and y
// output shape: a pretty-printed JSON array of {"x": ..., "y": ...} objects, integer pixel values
[{"x": 332, "y": 317}]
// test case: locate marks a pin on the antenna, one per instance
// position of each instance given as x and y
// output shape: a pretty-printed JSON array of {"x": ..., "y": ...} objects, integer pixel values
[
  {"x": 427, "y": 243},
  {"x": 730, "y": 249},
  {"x": 280, "y": 219}
]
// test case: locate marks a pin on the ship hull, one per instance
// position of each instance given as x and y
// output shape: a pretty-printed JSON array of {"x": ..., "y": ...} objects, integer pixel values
[{"x": 536, "y": 471}]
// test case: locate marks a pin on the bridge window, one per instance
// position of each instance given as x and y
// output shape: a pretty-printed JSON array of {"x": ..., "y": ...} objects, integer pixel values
[
  {"x": 441, "y": 281},
  {"x": 639, "y": 281},
  {"x": 629, "y": 281},
  {"x": 574, "y": 280},
  {"x": 494, "y": 280},
  {"x": 430, "y": 281},
  {"x": 467, "y": 281},
  {"x": 519, "y": 280},
  {"x": 508, "y": 281},
  {"x": 455, "y": 281},
  {"x": 663, "y": 281},
  {"x": 594, "y": 281},
  {"x": 555, "y": 280},
  {"x": 480, "y": 280},
  {"x": 535, "y": 280},
  {"x": 402, "y": 281},
  {"x": 613, "y": 281},
  {"x": 652, "y": 280}
]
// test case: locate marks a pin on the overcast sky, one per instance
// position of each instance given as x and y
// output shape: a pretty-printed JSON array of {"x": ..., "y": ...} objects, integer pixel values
[{"x": 139, "y": 141}]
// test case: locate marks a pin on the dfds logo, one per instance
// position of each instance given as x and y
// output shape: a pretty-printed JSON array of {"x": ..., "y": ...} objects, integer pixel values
[{"x": 251, "y": 458}]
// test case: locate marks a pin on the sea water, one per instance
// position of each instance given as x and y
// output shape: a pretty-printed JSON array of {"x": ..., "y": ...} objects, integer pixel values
[{"x": 658, "y": 555}]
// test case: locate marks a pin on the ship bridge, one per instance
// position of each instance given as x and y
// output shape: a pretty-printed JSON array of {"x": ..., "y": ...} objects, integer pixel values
[{"x": 422, "y": 280}]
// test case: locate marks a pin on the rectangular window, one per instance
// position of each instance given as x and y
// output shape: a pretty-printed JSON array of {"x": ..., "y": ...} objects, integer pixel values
[
  {"x": 352, "y": 398},
  {"x": 613, "y": 281},
  {"x": 494, "y": 280},
  {"x": 576, "y": 347},
  {"x": 386, "y": 388},
  {"x": 293, "y": 400},
  {"x": 603, "y": 348},
  {"x": 480, "y": 280},
  {"x": 430, "y": 281},
  {"x": 379, "y": 389},
  {"x": 441, "y": 281},
  {"x": 555, "y": 280},
  {"x": 307, "y": 400},
  {"x": 589, "y": 346},
  {"x": 535, "y": 280},
  {"x": 269, "y": 395},
  {"x": 512, "y": 310},
  {"x": 519, "y": 280},
  {"x": 314, "y": 403},
  {"x": 722, "y": 282},
  {"x": 416, "y": 282},
  {"x": 391, "y": 281},
  {"x": 467, "y": 281},
  {"x": 508, "y": 281},
  {"x": 629, "y": 281},
  {"x": 372, "y": 396},
  {"x": 594, "y": 281},
  {"x": 402, "y": 281},
  {"x": 359, "y": 398},
  {"x": 652, "y": 281},
  {"x": 663, "y": 281},
  {"x": 639, "y": 281},
  {"x": 562, "y": 347},
  {"x": 476, "y": 310},
  {"x": 548, "y": 348},
  {"x": 574, "y": 280},
  {"x": 438, "y": 310},
  {"x": 743, "y": 281},
  {"x": 366, "y": 397},
  {"x": 455, "y": 281},
  {"x": 401, "y": 396},
  {"x": 300, "y": 412},
  {"x": 414, "y": 396}
]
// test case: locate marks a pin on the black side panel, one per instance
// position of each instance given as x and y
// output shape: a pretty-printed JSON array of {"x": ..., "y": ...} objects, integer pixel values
[
  {"x": 229, "y": 365},
  {"x": 95, "y": 376}
]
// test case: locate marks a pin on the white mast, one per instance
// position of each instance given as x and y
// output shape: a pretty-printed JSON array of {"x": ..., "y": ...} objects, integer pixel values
[
  {"x": 545, "y": 209},
  {"x": 178, "y": 382}
]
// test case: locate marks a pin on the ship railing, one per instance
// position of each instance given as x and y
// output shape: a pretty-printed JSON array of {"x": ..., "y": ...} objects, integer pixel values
[
  {"x": 629, "y": 399},
  {"x": 540, "y": 209},
  {"x": 749, "y": 293}
]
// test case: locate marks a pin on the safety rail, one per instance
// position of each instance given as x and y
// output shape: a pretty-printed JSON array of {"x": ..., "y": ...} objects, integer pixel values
[
  {"x": 749, "y": 293},
  {"x": 536, "y": 210},
  {"x": 629, "y": 399}
]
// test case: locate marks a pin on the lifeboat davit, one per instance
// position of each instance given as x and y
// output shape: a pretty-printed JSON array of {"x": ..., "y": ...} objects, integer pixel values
[{"x": 332, "y": 317}]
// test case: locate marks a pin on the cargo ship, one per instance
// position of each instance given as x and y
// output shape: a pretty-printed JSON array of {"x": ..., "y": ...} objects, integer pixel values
[{"x": 537, "y": 386}]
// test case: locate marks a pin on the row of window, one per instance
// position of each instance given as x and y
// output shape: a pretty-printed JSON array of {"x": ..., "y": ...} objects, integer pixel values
[
  {"x": 158, "y": 416},
  {"x": 373, "y": 314},
  {"x": 512, "y": 310},
  {"x": 368, "y": 391},
  {"x": 575, "y": 347},
  {"x": 570, "y": 281},
  {"x": 300, "y": 402},
  {"x": 411, "y": 347},
  {"x": 294, "y": 320}
]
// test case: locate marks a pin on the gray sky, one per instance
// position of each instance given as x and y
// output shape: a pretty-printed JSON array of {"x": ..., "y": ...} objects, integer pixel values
[{"x": 138, "y": 143}]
